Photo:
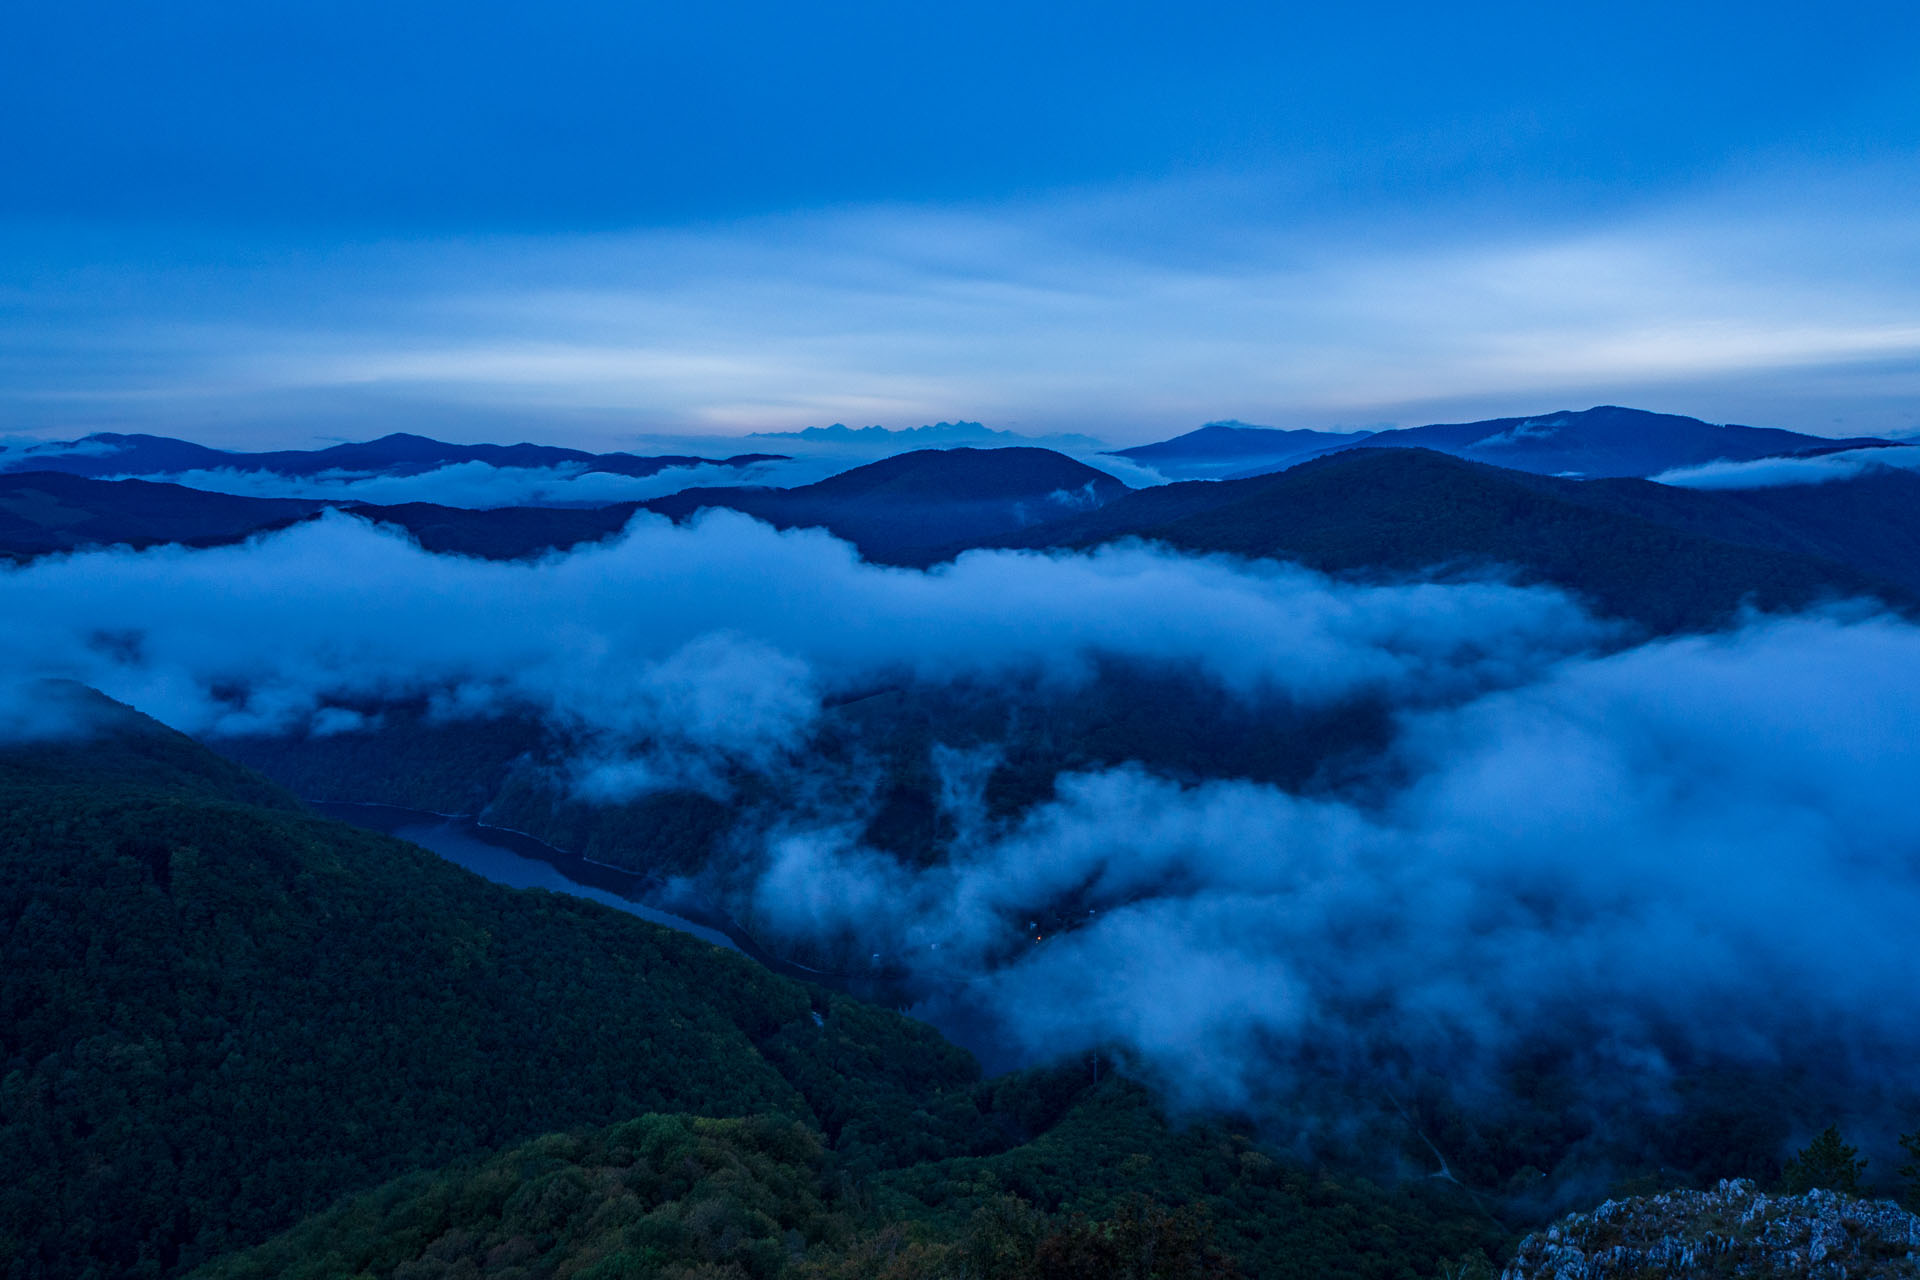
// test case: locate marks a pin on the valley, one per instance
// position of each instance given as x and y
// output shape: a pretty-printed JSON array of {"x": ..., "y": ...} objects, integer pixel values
[
  {"x": 975, "y": 641},
  {"x": 1325, "y": 869}
]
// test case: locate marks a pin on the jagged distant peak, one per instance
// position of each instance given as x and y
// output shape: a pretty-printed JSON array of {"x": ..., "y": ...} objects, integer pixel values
[
  {"x": 937, "y": 434},
  {"x": 932, "y": 431}
]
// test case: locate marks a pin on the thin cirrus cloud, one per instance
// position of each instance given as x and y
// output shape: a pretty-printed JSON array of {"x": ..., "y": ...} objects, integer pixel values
[{"x": 1088, "y": 312}]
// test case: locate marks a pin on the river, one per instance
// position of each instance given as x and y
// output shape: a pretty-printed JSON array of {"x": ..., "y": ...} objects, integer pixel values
[
  {"x": 518, "y": 861},
  {"x": 521, "y": 861}
]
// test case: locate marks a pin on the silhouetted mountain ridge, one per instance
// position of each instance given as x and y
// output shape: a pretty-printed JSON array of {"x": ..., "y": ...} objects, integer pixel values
[
  {"x": 902, "y": 509},
  {"x": 1231, "y": 447},
  {"x": 398, "y": 454},
  {"x": 1668, "y": 557},
  {"x": 46, "y": 511},
  {"x": 1659, "y": 556},
  {"x": 1607, "y": 441},
  {"x": 907, "y": 508},
  {"x": 932, "y": 435}
]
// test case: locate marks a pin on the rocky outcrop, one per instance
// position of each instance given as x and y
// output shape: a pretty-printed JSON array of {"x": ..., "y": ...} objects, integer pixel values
[{"x": 1733, "y": 1230}]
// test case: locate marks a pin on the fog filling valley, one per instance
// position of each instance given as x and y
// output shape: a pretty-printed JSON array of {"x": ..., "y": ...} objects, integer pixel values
[
  {"x": 484, "y": 486},
  {"x": 1660, "y": 852}
]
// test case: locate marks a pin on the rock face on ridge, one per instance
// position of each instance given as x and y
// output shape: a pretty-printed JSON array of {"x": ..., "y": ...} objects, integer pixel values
[{"x": 1733, "y": 1230}]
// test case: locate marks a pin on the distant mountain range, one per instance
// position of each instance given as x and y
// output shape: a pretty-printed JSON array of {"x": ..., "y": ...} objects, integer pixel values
[
  {"x": 909, "y": 508},
  {"x": 1599, "y": 443},
  {"x": 1609, "y": 442},
  {"x": 933, "y": 435},
  {"x": 1664, "y": 557},
  {"x": 110, "y": 454},
  {"x": 1596, "y": 443}
]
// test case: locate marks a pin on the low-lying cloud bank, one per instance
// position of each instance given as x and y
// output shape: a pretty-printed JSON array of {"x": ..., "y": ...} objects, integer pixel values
[
  {"x": 1695, "y": 848},
  {"x": 24, "y": 453},
  {"x": 1701, "y": 844},
  {"x": 480, "y": 485},
  {"x": 717, "y": 637},
  {"x": 45, "y": 711},
  {"x": 483, "y": 486},
  {"x": 1772, "y": 473}
]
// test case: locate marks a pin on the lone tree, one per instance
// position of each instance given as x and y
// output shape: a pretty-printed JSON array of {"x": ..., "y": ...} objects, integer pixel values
[{"x": 1827, "y": 1163}]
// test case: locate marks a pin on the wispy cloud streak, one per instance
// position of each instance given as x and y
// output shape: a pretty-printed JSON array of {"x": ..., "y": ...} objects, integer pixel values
[{"x": 1130, "y": 311}]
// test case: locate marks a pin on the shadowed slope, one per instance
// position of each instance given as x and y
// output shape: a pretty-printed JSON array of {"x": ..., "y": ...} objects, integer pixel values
[
  {"x": 45, "y": 511},
  {"x": 218, "y": 1013},
  {"x": 1226, "y": 448},
  {"x": 1869, "y": 521},
  {"x": 907, "y": 508},
  {"x": 111, "y": 454},
  {"x": 1413, "y": 511},
  {"x": 1607, "y": 441}
]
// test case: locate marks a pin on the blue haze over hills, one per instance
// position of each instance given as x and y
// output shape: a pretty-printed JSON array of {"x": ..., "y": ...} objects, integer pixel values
[
  {"x": 1344, "y": 843},
  {"x": 1602, "y": 442}
]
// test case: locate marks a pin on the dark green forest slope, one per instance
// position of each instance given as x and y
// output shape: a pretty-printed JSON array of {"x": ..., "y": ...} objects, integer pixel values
[
  {"x": 759, "y": 1199},
  {"x": 219, "y": 1014}
]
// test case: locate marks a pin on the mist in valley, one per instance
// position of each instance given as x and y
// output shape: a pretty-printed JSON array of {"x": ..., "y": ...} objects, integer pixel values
[{"x": 1340, "y": 856}]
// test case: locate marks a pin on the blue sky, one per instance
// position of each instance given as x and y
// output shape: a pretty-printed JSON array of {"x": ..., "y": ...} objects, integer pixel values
[{"x": 254, "y": 223}]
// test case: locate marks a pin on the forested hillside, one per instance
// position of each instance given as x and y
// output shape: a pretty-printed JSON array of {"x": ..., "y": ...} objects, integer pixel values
[
  {"x": 219, "y": 1014},
  {"x": 679, "y": 1198}
]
